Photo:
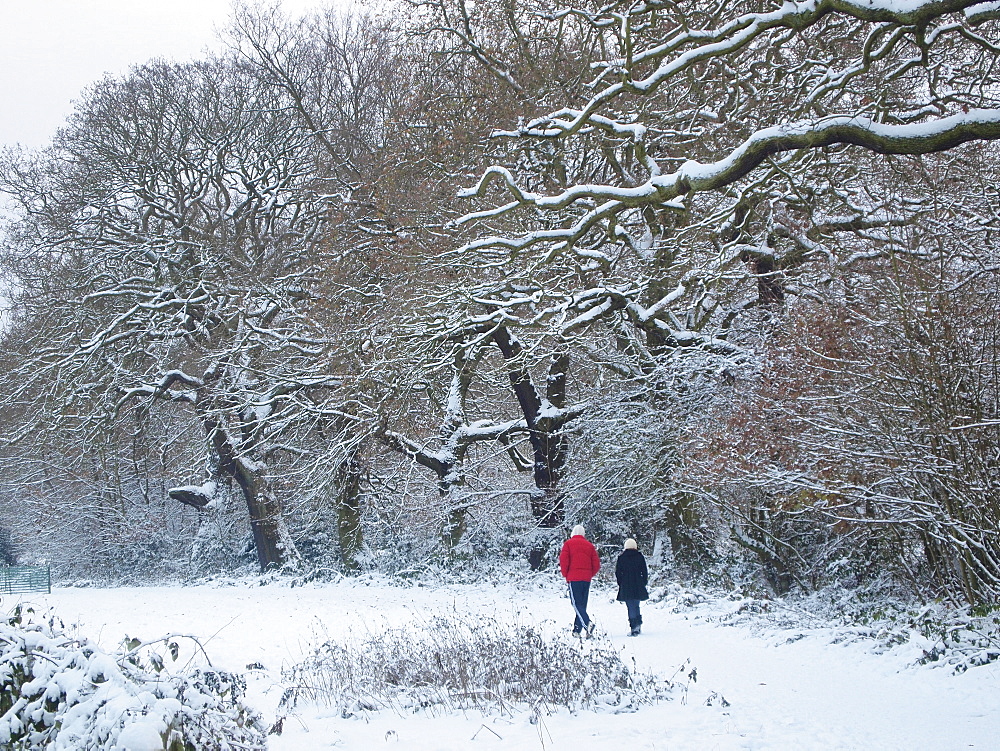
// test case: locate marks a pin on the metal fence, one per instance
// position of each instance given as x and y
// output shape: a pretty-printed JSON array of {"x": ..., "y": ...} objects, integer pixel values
[{"x": 19, "y": 579}]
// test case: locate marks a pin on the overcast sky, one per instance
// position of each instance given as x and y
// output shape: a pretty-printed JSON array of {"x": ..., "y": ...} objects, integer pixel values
[{"x": 50, "y": 50}]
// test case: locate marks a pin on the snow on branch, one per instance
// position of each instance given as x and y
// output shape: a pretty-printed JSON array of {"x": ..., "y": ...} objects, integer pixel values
[
  {"x": 164, "y": 388},
  {"x": 597, "y": 304},
  {"x": 693, "y": 176},
  {"x": 738, "y": 34},
  {"x": 983, "y": 12}
]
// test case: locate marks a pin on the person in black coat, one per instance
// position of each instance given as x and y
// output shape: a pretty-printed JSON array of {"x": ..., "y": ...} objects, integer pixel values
[{"x": 632, "y": 576}]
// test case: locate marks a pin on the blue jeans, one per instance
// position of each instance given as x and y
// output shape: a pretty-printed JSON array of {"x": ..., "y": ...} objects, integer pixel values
[
  {"x": 579, "y": 593},
  {"x": 634, "y": 617}
]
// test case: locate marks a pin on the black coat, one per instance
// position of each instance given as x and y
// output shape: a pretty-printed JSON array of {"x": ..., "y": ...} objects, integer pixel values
[{"x": 632, "y": 576}]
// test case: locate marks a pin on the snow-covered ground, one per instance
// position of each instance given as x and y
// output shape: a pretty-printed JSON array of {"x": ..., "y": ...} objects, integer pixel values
[{"x": 802, "y": 687}]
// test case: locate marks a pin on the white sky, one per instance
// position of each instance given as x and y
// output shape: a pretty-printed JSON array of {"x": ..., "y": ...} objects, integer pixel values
[{"x": 50, "y": 50}]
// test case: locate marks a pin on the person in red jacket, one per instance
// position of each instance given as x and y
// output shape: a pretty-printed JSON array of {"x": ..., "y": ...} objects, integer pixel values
[{"x": 579, "y": 563}]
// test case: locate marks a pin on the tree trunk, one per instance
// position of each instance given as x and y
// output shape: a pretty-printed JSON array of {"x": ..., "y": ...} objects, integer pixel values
[
  {"x": 457, "y": 526},
  {"x": 681, "y": 520},
  {"x": 549, "y": 446},
  {"x": 349, "y": 512},
  {"x": 271, "y": 538}
]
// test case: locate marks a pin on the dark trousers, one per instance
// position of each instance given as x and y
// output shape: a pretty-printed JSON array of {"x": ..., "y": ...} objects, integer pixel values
[
  {"x": 579, "y": 593},
  {"x": 634, "y": 617}
]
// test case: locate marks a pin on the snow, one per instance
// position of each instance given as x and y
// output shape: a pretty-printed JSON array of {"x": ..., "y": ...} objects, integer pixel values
[
  {"x": 982, "y": 12},
  {"x": 140, "y": 737},
  {"x": 206, "y": 490},
  {"x": 982, "y": 8},
  {"x": 792, "y": 683}
]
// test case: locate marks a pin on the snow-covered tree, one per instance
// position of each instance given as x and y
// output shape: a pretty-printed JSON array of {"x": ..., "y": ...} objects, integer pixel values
[
  {"x": 166, "y": 254},
  {"x": 720, "y": 137},
  {"x": 872, "y": 432},
  {"x": 727, "y": 156}
]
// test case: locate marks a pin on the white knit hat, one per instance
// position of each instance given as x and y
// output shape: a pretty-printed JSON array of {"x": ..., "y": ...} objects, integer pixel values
[
  {"x": 577, "y": 530},
  {"x": 630, "y": 544}
]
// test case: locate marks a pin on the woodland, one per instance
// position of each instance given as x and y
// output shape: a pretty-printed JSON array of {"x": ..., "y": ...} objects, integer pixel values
[{"x": 425, "y": 285}]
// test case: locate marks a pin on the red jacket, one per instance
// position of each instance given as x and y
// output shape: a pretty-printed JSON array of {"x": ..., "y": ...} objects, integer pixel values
[{"x": 578, "y": 560}]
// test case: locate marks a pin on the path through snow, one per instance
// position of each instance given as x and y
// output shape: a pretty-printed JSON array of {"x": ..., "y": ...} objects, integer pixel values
[{"x": 785, "y": 692}]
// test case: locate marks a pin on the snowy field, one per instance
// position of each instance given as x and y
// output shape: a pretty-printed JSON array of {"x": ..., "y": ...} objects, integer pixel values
[{"x": 807, "y": 686}]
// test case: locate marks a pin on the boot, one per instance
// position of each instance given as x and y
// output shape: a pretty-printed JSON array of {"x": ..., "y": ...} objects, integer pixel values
[{"x": 634, "y": 624}]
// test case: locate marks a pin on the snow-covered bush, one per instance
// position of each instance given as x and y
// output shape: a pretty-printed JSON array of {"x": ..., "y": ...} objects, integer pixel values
[
  {"x": 948, "y": 636},
  {"x": 60, "y": 692},
  {"x": 455, "y": 662}
]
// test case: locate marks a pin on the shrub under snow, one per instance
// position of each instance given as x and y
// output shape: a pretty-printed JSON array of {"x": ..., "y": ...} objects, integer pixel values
[
  {"x": 59, "y": 692},
  {"x": 451, "y": 662}
]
